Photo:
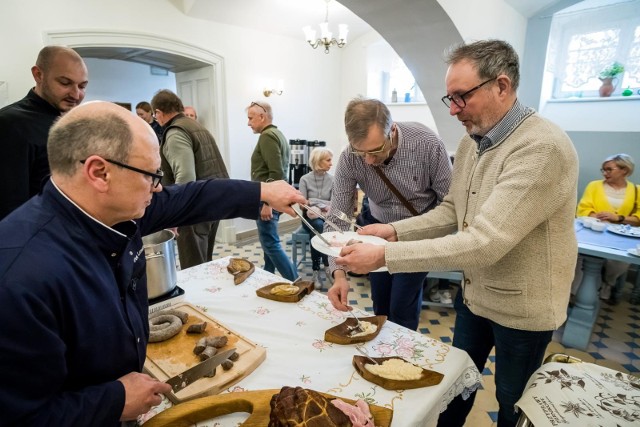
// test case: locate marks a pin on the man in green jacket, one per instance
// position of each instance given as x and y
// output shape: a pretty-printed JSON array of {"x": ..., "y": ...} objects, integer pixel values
[{"x": 269, "y": 162}]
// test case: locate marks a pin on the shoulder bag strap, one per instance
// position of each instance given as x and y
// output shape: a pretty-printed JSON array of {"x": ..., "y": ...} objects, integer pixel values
[{"x": 395, "y": 191}]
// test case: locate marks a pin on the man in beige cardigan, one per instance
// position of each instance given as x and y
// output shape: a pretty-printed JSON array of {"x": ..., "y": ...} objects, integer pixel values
[{"x": 507, "y": 223}]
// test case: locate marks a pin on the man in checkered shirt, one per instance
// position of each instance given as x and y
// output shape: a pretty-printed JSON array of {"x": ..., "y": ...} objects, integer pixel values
[{"x": 415, "y": 161}]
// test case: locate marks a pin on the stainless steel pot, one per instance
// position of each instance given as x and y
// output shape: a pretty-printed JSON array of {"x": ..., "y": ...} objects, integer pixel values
[{"x": 159, "y": 249}]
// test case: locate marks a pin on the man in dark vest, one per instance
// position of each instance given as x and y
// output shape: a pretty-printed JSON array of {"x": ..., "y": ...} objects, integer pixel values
[{"x": 189, "y": 153}]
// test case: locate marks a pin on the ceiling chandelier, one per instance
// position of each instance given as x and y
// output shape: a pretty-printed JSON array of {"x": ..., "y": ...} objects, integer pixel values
[{"x": 326, "y": 37}]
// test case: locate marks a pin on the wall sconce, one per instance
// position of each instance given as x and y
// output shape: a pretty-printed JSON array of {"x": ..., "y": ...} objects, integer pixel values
[{"x": 271, "y": 89}]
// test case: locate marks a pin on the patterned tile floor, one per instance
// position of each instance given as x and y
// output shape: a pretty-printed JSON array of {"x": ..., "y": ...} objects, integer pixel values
[{"x": 615, "y": 342}]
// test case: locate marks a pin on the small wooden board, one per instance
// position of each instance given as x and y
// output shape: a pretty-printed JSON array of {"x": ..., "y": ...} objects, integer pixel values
[
  {"x": 241, "y": 269},
  {"x": 254, "y": 402},
  {"x": 339, "y": 334},
  {"x": 305, "y": 288},
  {"x": 168, "y": 358},
  {"x": 428, "y": 378}
]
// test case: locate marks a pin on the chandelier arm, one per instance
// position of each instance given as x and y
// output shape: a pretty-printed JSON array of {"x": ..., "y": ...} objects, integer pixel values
[{"x": 325, "y": 41}]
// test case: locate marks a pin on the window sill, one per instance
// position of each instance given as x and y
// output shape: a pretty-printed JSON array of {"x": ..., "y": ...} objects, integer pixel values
[
  {"x": 594, "y": 99},
  {"x": 393, "y": 104}
]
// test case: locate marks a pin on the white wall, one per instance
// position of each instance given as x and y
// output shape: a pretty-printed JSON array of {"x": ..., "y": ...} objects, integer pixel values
[
  {"x": 123, "y": 81},
  {"x": 476, "y": 20},
  {"x": 310, "y": 107}
]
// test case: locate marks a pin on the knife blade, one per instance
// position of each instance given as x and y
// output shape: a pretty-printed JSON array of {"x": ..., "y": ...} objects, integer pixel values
[
  {"x": 299, "y": 213},
  {"x": 331, "y": 224},
  {"x": 194, "y": 373}
]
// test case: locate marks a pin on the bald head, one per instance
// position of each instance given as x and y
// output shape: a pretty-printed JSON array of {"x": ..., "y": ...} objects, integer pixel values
[
  {"x": 190, "y": 112},
  {"x": 49, "y": 54},
  {"x": 61, "y": 77},
  {"x": 105, "y": 160},
  {"x": 100, "y": 128}
]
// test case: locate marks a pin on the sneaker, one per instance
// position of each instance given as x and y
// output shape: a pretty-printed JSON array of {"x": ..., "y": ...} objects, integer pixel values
[
  {"x": 605, "y": 291},
  {"x": 317, "y": 283},
  {"x": 445, "y": 296},
  {"x": 327, "y": 273},
  {"x": 434, "y": 295}
]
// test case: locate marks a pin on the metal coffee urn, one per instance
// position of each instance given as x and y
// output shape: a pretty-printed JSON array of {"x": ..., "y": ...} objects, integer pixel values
[{"x": 297, "y": 160}]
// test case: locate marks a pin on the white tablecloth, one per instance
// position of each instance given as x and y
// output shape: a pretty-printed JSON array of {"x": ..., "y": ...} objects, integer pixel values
[
  {"x": 297, "y": 354},
  {"x": 581, "y": 395}
]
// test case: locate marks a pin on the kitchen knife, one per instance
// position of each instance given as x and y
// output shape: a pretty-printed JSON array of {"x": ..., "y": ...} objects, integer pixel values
[{"x": 187, "y": 377}]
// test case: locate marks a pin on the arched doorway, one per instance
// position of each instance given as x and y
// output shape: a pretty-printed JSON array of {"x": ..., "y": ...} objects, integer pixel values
[{"x": 214, "y": 71}]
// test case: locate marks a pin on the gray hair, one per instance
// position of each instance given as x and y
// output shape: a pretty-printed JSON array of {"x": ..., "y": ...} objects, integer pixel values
[
  {"x": 107, "y": 135},
  {"x": 623, "y": 161},
  {"x": 361, "y": 114},
  {"x": 317, "y": 155},
  {"x": 263, "y": 108},
  {"x": 490, "y": 57}
]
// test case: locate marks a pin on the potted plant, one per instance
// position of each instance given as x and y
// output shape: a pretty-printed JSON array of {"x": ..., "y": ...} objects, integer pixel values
[{"x": 607, "y": 75}]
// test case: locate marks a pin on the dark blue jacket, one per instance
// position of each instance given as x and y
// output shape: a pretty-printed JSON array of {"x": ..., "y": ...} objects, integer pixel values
[{"x": 73, "y": 300}]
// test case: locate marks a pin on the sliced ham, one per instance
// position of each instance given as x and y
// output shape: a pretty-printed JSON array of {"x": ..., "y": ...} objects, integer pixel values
[{"x": 359, "y": 415}]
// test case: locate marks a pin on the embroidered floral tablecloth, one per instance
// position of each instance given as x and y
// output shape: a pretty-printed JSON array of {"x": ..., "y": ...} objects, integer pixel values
[
  {"x": 297, "y": 354},
  {"x": 581, "y": 395}
]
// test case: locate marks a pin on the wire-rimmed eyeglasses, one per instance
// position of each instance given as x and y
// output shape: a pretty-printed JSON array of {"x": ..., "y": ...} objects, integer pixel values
[
  {"x": 608, "y": 170},
  {"x": 258, "y": 105},
  {"x": 155, "y": 177},
  {"x": 374, "y": 152},
  {"x": 459, "y": 99}
]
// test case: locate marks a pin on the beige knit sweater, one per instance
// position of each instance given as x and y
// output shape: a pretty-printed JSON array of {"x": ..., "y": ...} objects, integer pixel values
[{"x": 513, "y": 210}]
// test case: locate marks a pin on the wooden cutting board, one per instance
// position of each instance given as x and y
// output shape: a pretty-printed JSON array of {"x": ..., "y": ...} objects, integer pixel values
[
  {"x": 341, "y": 334},
  {"x": 169, "y": 358},
  {"x": 428, "y": 378},
  {"x": 254, "y": 402},
  {"x": 305, "y": 287}
]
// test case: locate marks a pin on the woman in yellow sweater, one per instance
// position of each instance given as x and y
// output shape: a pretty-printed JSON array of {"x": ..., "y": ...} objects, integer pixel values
[{"x": 613, "y": 199}]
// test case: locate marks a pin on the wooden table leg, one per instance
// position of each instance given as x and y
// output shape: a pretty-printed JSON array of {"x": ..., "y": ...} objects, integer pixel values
[{"x": 583, "y": 315}]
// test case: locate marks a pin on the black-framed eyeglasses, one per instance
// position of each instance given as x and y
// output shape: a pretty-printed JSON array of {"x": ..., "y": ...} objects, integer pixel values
[
  {"x": 155, "y": 177},
  {"x": 378, "y": 150},
  {"x": 256, "y": 104},
  {"x": 459, "y": 99}
]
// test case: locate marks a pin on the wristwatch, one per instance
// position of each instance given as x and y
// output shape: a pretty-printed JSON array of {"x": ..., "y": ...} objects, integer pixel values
[{"x": 620, "y": 218}]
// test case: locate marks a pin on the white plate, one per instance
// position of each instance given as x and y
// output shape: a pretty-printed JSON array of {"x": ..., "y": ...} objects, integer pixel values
[
  {"x": 334, "y": 251},
  {"x": 624, "y": 230},
  {"x": 633, "y": 252}
]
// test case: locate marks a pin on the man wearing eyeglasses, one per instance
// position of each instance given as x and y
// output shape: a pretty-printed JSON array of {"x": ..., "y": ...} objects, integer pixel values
[
  {"x": 61, "y": 79},
  {"x": 416, "y": 163},
  {"x": 189, "y": 153},
  {"x": 269, "y": 162},
  {"x": 73, "y": 283},
  {"x": 507, "y": 223}
]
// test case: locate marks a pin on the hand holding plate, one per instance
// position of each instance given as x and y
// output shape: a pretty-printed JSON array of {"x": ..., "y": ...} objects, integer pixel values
[{"x": 362, "y": 258}]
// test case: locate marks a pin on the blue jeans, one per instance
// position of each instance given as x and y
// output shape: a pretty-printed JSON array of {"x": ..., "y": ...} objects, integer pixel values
[
  {"x": 518, "y": 354},
  {"x": 274, "y": 256},
  {"x": 316, "y": 257},
  {"x": 398, "y": 296}
]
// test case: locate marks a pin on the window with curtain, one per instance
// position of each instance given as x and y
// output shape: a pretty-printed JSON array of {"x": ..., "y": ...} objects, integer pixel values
[{"x": 587, "y": 38}]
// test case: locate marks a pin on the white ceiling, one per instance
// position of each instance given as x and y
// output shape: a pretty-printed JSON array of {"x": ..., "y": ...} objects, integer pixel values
[
  {"x": 287, "y": 17},
  {"x": 280, "y": 17}
]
